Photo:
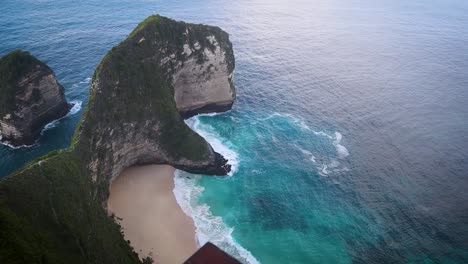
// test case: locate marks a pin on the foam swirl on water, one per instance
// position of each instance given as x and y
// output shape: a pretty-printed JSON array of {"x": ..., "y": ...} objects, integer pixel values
[
  {"x": 187, "y": 192},
  {"x": 324, "y": 164},
  {"x": 75, "y": 109},
  {"x": 340, "y": 149},
  {"x": 219, "y": 144}
]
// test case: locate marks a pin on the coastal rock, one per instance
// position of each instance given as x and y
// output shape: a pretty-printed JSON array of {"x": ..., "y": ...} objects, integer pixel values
[
  {"x": 30, "y": 98},
  {"x": 202, "y": 74},
  {"x": 163, "y": 70}
]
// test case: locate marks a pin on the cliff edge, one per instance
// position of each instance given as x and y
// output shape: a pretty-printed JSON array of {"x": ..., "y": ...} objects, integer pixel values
[
  {"x": 30, "y": 98},
  {"x": 133, "y": 115},
  {"x": 53, "y": 209}
]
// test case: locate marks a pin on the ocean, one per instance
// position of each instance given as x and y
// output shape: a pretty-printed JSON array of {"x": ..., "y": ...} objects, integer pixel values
[{"x": 349, "y": 136}]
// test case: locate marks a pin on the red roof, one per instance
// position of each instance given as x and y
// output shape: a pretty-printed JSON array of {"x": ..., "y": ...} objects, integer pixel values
[{"x": 211, "y": 254}]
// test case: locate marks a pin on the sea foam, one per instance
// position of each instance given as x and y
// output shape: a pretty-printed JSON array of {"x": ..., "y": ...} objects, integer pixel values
[
  {"x": 324, "y": 164},
  {"x": 6, "y": 143},
  {"x": 340, "y": 149},
  {"x": 75, "y": 109},
  {"x": 219, "y": 144},
  {"x": 85, "y": 81},
  {"x": 187, "y": 191}
]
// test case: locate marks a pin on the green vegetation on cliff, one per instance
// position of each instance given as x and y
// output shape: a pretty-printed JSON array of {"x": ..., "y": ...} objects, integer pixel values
[
  {"x": 128, "y": 62},
  {"x": 53, "y": 210},
  {"x": 12, "y": 66},
  {"x": 49, "y": 214},
  {"x": 165, "y": 29}
]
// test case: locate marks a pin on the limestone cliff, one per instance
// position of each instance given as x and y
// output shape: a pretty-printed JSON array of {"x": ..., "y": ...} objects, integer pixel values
[
  {"x": 53, "y": 210},
  {"x": 30, "y": 97},
  {"x": 133, "y": 114},
  {"x": 201, "y": 70}
]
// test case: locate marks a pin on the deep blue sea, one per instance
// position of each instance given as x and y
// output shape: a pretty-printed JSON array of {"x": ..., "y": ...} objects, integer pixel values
[{"x": 349, "y": 137}]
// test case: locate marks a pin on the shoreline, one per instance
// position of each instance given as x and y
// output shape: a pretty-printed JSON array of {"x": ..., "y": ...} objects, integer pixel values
[
  {"x": 144, "y": 204},
  {"x": 76, "y": 107}
]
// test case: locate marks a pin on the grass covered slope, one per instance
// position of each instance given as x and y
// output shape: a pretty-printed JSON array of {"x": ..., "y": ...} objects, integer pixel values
[
  {"x": 53, "y": 210},
  {"x": 48, "y": 214}
]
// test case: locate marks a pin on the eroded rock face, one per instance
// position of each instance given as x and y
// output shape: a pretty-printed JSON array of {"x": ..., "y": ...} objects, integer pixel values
[
  {"x": 203, "y": 76},
  {"x": 31, "y": 98},
  {"x": 198, "y": 62},
  {"x": 164, "y": 67}
]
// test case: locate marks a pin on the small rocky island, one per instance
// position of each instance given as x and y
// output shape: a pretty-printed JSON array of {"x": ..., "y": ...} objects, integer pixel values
[
  {"x": 54, "y": 209},
  {"x": 30, "y": 98}
]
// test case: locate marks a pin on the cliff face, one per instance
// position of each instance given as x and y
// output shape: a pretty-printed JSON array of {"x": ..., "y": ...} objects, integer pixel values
[
  {"x": 201, "y": 71},
  {"x": 138, "y": 90},
  {"x": 31, "y": 97}
]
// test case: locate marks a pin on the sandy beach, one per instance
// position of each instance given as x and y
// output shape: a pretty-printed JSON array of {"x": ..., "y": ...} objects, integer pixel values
[{"x": 143, "y": 198}]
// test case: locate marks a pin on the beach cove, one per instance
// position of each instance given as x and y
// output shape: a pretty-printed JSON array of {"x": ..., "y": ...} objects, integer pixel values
[{"x": 143, "y": 203}]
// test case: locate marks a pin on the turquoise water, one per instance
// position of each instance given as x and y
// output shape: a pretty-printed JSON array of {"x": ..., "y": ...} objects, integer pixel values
[
  {"x": 349, "y": 137},
  {"x": 284, "y": 197}
]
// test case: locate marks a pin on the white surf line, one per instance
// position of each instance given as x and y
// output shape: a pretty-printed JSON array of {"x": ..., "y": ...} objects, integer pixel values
[
  {"x": 208, "y": 227},
  {"x": 75, "y": 109}
]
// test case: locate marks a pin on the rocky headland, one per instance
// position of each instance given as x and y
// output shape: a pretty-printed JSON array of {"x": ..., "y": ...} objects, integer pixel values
[
  {"x": 134, "y": 114},
  {"x": 54, "y": 209},
  {"x": 30, "y": 98}
]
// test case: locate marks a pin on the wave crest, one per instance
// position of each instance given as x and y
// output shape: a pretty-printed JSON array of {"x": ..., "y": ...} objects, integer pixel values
[
  {"x": 187, "y": 191},
  {"x": 75, "y": 109}
]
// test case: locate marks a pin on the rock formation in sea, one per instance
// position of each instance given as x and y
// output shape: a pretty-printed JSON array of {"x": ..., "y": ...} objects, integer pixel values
[
  {"x": 133, "y": 112},
  {"x": 30, "y": 98},
  {"x": 54, "y": 209}
]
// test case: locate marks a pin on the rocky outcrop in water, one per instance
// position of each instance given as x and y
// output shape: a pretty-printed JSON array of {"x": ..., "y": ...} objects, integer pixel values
[{"x": 30, "y": 97}]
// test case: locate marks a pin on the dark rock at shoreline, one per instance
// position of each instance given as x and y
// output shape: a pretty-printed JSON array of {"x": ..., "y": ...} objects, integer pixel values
[{"x": 30, "y": 98}]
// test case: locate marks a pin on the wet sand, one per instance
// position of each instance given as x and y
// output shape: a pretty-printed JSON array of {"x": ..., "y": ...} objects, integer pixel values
[{"x": 143, "y": 198}]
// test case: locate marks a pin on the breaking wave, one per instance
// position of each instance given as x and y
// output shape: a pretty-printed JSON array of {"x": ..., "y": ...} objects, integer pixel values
[
  {"x": 340, "y": 149},
  {"x": 75, "y": 109},
  {"x": 219, "y": 144},
  {"x": 324, "y": 164},
  {"x": 187, "y": 192}
]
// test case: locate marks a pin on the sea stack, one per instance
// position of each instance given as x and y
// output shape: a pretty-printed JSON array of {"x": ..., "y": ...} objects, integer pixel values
[
  {"x": 30, "y": 97},
  {"x": 165, "y": 70}
]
